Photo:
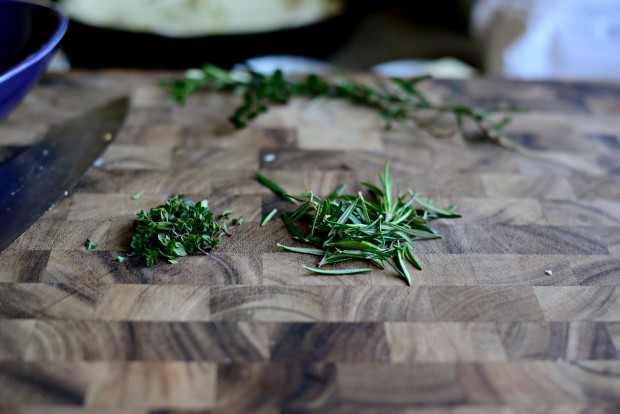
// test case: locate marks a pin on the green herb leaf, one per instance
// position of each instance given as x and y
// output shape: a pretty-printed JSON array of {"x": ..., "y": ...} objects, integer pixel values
[
  {"x": 137, "y": 196},
  {"x": 90, "y": 245},
  {"x": 175, "y": 229},
  {"x": 120, "y": 259},
  {"x": 395, "y": 100}
]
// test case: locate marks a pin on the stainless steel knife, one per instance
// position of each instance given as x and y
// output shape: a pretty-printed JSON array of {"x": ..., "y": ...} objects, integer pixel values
[{"x": 38, "y": 177}]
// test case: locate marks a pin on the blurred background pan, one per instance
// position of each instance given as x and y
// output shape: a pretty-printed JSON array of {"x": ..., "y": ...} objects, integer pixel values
[{"x": 93, "y": 42}]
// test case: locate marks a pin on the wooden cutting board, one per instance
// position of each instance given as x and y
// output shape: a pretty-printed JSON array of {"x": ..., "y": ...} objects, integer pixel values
[{"x": 517, "y": 309}]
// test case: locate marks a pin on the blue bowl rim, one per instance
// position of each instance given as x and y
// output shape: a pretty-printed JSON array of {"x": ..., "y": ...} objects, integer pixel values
[{"x": 48, "y": 47}]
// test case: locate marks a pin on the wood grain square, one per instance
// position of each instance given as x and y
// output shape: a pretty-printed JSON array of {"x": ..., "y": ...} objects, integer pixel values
[
  {"x": 579, "y": 303},
  {"x": 496, "y": 211},
  {"x": 245, "y": 303},
  {"x": 150, "y": 302},
  {"x": 49, "y": 235},
  {"x": 64, "y": 409},
  {"x": 493, "y": 270},
  {"x": 147, "y": 341},
  {"x": 72, "y": 340},
  {"x": 88, "y": 206},
  {"x": 596, "y": 270},
  {"x": 329, "y": 342},
  {"x": 14, "y": 334},
  {"x": 320, "y": 303},
  {"x": 561, "y": 164},
  {"x": 152, "y": 385},
  {"x": 336, "y": 114},
  {"x": 25, "y": 384},
  {"x": 22, "y": 265},
  {"x": 220, "y": 183},
  {"x": 610, "y": 236},
  {"x": 511, "y": 239},
  {"x": 581, "y": 213},
  {"x": 139, "y": 118},
  {"x": 298, "y": 160},
  {"x": 325, "y": 138},
  {"x": 599, "y": 380},
  {"x": 366, "y": 303},
  {"x": 92, "y": 267},
  {"x": 275, "y": 386},
  {"x": 613, "y": 329},
  {"x": 448, "y": 187},
  {"x": 223, "y": 342},
  {"x": 557, "y": 341},
  {"x": 158, "y": 134},
  {"x": 484, "y": 304},
  {"x": 216, "y": 268},
  {"x": 416, "y": 384},
  {"x": 45, "y": 301},
  {"x": 524, "y": 384},
  {"x": 136, "y": 157},
  {"x": 99, "y": 180},
  {"x": 526, "y": 186},
  {"x": 587, "y": 187},
  {"x": 443, "y": 342}
]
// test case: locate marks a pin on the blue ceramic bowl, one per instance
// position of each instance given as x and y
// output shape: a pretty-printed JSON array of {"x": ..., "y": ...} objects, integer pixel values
[{"x": 30, "y": 32}]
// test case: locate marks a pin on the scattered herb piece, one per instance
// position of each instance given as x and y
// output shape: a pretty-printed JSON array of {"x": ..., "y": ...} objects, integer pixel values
[
  {"x": 137, "y": 196},
  {"x": 269, "y": 216},
  {"x": 396, "y": 99},
  {"x": 339, "y": 271},
  {"x": 175, "y": 229},
  {"x": 120, "y": 259},
  {"x": 350, "y": 227},
  {"x": 90, "y": 245},
  {"x": 237, "y": 221},
  {"x": 225, "y": 214}
]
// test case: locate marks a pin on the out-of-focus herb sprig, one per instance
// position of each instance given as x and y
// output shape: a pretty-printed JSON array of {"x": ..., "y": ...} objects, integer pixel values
[
  {"x": 347, "y": 227},
  {"x": 396, "y": 98},
  {"x": 176, "y": 229}
]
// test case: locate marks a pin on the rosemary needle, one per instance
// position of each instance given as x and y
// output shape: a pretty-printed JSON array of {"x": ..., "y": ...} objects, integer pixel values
[
  {"x": 339, "y": 271},
  {"x": 269, "y": 216}
]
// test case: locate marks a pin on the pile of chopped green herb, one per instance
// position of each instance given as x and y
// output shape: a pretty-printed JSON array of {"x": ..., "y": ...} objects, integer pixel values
[
  {"x": 175, "y": 229},
  {"x": 395, "y": 99},
  {"x": 347, "y": 227}
]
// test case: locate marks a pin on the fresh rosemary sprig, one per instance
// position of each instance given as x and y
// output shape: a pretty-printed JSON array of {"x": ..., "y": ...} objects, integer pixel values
[
  {"x": 350, "y": 227},
  {"x": 396, "y": 99},
  {"x": 175, "y": 229}
]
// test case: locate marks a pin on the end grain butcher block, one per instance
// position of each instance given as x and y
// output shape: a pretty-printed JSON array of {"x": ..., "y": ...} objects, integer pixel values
[{"x": 517, "y": 309}]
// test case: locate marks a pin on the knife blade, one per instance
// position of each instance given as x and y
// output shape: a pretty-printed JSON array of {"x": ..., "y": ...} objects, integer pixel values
[{"x": 38, "y": 177}]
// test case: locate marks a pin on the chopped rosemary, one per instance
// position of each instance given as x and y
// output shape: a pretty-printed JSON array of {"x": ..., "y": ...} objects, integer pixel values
[
  {"x": 175, "y": 229},
  {"x": 396, "y": 99},
  {"x": 350, "y": 227}
]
